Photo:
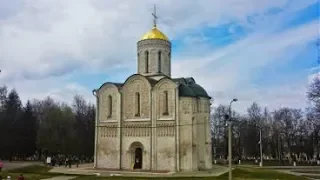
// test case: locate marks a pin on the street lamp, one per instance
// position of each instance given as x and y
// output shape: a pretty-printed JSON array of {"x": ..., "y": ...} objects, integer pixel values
[
  {"x": 260, "y": 136},
  {"x": 229, "y": 119},
  {"x": 94, "y": 92}
]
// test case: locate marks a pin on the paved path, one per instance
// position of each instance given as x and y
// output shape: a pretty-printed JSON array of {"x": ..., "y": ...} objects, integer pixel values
[
  {"x": 61, "y": 178},
  {"x": 18, "y": 164},
  {"x": 86, "y": 169}
]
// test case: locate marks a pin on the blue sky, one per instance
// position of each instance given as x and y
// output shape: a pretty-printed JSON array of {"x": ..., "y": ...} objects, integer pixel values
[{"x": 258, "y": 51}]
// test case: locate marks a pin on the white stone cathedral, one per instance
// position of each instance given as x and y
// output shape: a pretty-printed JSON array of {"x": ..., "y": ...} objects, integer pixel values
[{"x": 153, "y": 121}]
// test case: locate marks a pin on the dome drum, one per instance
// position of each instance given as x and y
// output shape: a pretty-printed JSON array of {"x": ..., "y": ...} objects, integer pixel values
[{"x": 153, "y": 42}]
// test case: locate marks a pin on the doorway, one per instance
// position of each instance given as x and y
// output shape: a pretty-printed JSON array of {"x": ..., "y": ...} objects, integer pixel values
[{"x": 138, "y": 158}]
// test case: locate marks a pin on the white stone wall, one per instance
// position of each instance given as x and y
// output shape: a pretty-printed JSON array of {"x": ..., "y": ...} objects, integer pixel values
[
  {"x": 185, "y": 115},
  {"x": 195, "y": 137},
  {"x": 141, "y": 85},
  {"x": 108, "y": 147},
  {"x": 153, "y": 47},
  {"x": 108, "y": 144},
  {"x": 103, "y": 94},
  {"x": 165, "y": 140}
]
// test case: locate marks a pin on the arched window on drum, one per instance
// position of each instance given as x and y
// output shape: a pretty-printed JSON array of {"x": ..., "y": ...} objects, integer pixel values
[{"x": 109, "y": 106}]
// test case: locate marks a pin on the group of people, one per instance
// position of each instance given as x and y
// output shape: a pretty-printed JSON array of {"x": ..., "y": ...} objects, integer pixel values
[{"x": 60, "y": 161}]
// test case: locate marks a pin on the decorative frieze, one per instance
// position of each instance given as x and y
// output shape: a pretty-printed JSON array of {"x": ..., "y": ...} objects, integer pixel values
[
  {"x": 109, "y": 131},
  {"x": 165, "y": 130},
  {"x": 136, "y": 130},
  {"x": 186, "y": 107}
]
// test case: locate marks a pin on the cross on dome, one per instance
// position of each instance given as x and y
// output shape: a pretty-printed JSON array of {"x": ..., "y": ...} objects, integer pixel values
[{"x": 155, "y": 17}]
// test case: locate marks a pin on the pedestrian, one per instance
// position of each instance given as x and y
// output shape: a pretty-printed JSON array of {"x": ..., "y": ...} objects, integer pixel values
[
  {"x": 1, "y": 165},
  {"x": 77, "y": 161},
  {"x": 66, "y": 162},
  {"x": 70, "y": 161},
  {"x": 21, "y": 177}
]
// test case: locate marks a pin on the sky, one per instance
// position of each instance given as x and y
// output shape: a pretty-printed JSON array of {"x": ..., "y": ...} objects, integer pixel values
[{"x": 257, "y": 51}]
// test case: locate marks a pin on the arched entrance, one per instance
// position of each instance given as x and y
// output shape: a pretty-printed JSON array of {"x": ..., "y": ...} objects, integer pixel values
[
  {"x": 138, "y": 158},
  {"x": 136, "y": 150}
]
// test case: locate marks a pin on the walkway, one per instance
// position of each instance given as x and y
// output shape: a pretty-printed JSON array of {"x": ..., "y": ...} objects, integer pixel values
[
  {"x": 86, "y": 169},
  {"x": 61, "y": 178}
]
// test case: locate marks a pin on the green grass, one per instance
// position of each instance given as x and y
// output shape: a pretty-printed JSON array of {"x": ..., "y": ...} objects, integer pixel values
[
  {"x": 30, "y": 172},
  {"x": 32, "y": 169},
  {"x": 37, "y": 172},
  {"x": 307, "y": 171},
  {"x": 33, "y": 172},
  {"x": 238, "y": 174}
]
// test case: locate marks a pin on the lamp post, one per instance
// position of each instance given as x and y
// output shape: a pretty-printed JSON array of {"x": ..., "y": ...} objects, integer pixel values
[
  {"x": 230, "y": 138},
  {"x": 260, "y": 135},
  {"x": 94, "y": 92}
]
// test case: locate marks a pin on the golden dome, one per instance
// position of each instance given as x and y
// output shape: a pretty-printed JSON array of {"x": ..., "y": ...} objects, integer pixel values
[{"x": 154, "y": 34}]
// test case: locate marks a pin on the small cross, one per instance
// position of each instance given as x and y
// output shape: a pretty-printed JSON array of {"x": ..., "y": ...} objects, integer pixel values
[{"x": 155, "y": 17}]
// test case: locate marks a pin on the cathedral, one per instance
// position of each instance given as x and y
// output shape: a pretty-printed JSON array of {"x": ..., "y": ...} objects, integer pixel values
[{"x": 152, "y": 121}]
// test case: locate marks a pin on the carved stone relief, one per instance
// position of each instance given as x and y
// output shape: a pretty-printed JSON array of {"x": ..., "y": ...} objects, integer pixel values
[
  {"x": 165, "y": 129},
  {"x": 108, "y": 131},
  {"x": 136, "y": 130}
]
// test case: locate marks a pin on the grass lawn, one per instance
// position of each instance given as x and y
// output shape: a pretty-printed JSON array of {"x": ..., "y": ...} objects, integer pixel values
[
  {"x": 238, "y": 174},
  {"x": 37, "y": 172},
  {"x": 34, "y": 172},
  {"x": 30, "y": 172}
]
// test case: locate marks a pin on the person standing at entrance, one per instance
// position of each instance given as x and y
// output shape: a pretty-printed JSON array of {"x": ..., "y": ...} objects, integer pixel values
[{"x": 136, "y": 163}]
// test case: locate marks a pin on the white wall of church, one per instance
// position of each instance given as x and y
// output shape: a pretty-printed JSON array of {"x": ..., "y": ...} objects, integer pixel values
[
  {"x": 108, "y": 146},
  {"x": 152, "y": 48},
  {"x": 136, "y": 84},
  {"x": 165, "y": 151},
  {"x": 104, "y": 94},
  {"x": 185, "y": 119},
  {"x": 165, "y": 117}
]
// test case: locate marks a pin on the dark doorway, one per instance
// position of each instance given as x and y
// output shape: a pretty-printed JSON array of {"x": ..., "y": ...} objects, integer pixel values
[{"x": 138, "y": 158}]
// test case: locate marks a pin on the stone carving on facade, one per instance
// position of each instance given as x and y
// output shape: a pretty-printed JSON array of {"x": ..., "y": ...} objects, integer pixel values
[
  {"x": 136, "y": 130},
  {"x": 186, "y": 107},
  {"x": 165, "y": 129},
  {"x": 109, "y": 131}
]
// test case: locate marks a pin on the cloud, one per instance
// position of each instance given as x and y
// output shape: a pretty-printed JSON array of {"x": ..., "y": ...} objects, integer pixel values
[{"x": 42, "y": 43}]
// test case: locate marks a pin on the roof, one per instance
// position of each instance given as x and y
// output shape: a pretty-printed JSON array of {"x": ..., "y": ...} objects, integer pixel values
[
  {"x": 118, "y": 85},
  {"x": 187, "y": 87},
  {"x": 154, "y": 34}
]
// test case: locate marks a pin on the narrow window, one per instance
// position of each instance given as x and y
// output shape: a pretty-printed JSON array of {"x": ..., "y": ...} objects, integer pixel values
[
  {"x": 146, "y": 56},
  {"x": 139, "y": 62},
  {"x": 109, "y": 106},
  {"x": 198, "y": 105},
  {"x": 137, "y": 104},
  {"x": 165, "y": 103},
  {"x": 159, "y": 61}
]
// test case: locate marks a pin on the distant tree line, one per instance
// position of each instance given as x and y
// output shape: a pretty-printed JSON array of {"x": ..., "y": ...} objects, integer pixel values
[
  {"x": 287, "y": 133},
  {"x": 45, "y": 127}
]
